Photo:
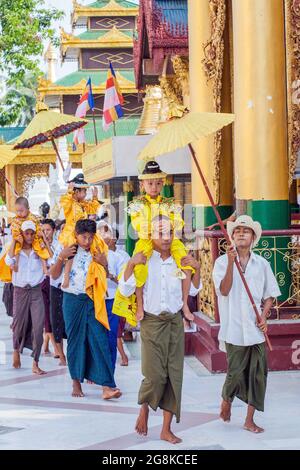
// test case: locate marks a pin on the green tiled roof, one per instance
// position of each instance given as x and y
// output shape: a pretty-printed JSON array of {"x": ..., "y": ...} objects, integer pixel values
[
  {"x": 94, "y": 35},
  {"x": 97, "y": 77},
  {"x": 103, "y": 3},
  {"x": 9, "y": 133},
  {"x": 123, "y": 127}
]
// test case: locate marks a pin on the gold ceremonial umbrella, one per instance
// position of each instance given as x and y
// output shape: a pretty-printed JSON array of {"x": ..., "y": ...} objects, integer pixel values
[
  {"x": 7, "y": 154},
  {"x": 178, "y": 133},
  {"x": 182, "y": 132},
  {"x": 47, "y": 126}
]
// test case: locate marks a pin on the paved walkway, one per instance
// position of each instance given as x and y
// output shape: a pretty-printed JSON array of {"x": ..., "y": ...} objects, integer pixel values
[{"x": 39, "y": 413}]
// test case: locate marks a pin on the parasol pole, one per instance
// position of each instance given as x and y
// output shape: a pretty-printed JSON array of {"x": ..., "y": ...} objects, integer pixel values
[
  {"x": 11, "y": 186},
  {"x": 57, "y": 153},
  {"x": 223, "y": 229},
  {"x": 114, "y": 127}
]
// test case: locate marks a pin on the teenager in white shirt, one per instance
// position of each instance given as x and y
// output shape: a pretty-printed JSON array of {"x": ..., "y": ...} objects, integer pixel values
[
  {"x": 28, "y": 305},
  {"x": 88, "y": 353},
  {"x": 240, "y": 335}
]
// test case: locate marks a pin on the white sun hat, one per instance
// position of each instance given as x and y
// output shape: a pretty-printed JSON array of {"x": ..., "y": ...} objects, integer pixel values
[
  {"x": 28, "y": 225},
  {"x": 245, "y": 221}
]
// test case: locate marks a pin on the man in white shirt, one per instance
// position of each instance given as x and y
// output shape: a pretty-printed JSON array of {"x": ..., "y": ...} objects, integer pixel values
[
  {"x": 162, "y": 333},
  {"x": 239, "y": 332},
  {"x": 28, "y": 305}
]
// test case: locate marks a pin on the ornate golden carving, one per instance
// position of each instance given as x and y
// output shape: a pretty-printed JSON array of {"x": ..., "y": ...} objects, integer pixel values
[
  {"x": 169, "y": 181},
  {"x": 206, "y": 296},
  {"x": 213, "y": 67},
  {"x": 64, "y": 36},
  {"x": 181, "y": 69},
  {"x": 44, "y": 83},
  {"x": 26, "y": 175},
  {"x": 128, "y": 187},
  {"x": 292, "y": 10},
  {"x": 173, "y": 97},
  {"x": 2, "y": 184},
  {"x": 40, "y": 106}
]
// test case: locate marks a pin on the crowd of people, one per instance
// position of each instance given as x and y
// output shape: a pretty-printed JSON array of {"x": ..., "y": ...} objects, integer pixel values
[{"x": 70, "y": 280}]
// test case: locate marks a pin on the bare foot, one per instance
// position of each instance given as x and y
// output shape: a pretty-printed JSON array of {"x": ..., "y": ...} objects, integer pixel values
[
  {"x": 37, "y": 370},
  {"x": 109, "y": 393},
  {"x": 16, "y": 360},
  {"x": 77, "y": 390},
  {"x": 187, "y": 313},
  {"x": 90, "y": 382},
  {"x": 47, "y": 352},
  {"x": 141, "y": 425},
  {"x": 170, "y": 437},
  {"x": 139, "y": 314},
  {"x": 62, "y": 361},
  {"x": 252, "y": 427},
  {"x": 124, "y": 361},
  {"x": 225, "y": 413}
]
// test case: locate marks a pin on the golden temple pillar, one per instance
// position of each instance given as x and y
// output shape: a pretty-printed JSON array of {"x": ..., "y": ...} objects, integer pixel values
[
  {"x": 203, "y": 99},
  {"x": 11, "y": 175},
  {"x": 260, "y": 130}
]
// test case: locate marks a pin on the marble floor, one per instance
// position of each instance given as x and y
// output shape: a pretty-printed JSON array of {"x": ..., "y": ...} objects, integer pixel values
[{"x": 39, "y": 413}]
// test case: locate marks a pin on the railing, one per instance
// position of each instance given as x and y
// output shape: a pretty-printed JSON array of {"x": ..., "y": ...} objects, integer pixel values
[{"x": 280, "y": 247}]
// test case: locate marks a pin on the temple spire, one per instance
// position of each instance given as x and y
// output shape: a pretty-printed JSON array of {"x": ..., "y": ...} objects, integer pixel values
[{"x": 51, "y": 58}]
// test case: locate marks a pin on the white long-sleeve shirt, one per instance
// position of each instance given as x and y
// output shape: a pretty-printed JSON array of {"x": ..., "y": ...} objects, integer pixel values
[
  {"x": 237, "y": 317},
  {"x": 162, "y": 291},
  {"x": 116, "y": 261},
  {"x": 55, "y": 246},
  {"x": 30, "y": 269}
]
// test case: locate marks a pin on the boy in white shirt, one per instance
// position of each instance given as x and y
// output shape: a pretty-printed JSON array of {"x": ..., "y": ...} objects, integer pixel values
[{"x": 240, "y": 335}]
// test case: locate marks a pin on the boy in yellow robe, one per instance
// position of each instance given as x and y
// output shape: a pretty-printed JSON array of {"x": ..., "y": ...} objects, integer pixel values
[
  {"x": 76, "y": 207},
  {"x": 39, "y": 245},
  {"x": 142, "y": 211}
]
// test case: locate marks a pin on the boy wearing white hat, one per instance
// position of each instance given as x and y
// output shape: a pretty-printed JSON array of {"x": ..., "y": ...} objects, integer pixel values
[
  {"x": 28, "y": 305},
  {"x": 240, "y": 335}
]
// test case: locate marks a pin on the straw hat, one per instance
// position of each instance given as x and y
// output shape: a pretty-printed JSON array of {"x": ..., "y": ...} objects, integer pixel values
[{"x": 245, "y": 221}]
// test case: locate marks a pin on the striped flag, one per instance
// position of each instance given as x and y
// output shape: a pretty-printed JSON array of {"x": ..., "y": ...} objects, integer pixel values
[
  {"x": 113, "y": 100},
  {"x": 86, "y": 103}
]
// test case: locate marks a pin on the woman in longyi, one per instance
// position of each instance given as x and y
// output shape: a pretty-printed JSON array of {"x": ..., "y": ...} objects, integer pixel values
[{"x": 76, "y": 207}]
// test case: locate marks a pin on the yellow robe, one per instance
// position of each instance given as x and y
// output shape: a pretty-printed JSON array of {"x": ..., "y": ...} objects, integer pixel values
[
  {"x": 142, "y": 213},
  {"x": 96, "y": 284},
  {"x": 75, "y": 211},
  {"x": 142, "y": 210}
]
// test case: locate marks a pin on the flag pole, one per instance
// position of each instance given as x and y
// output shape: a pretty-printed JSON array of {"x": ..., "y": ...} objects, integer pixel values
[{"x": 95, "y": 130}]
